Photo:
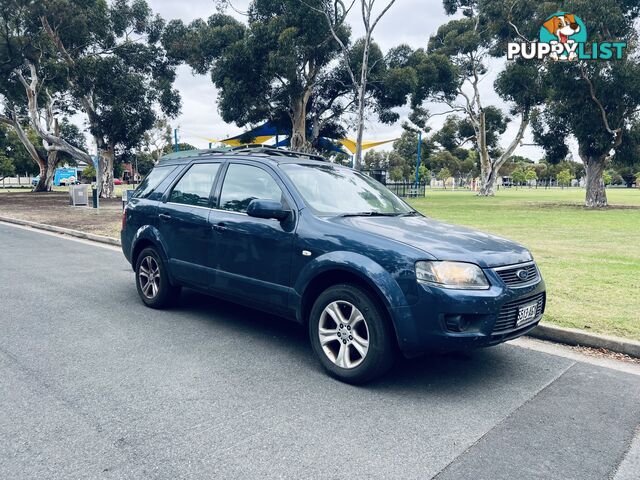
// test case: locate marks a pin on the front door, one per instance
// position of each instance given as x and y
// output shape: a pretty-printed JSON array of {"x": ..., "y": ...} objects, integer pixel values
[
  {"x": 253, "y": 257},
  {"x": 184, "y": 225}
]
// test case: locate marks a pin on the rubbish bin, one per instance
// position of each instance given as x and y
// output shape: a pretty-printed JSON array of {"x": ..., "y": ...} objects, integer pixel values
[{"x": 78, "y": 195}]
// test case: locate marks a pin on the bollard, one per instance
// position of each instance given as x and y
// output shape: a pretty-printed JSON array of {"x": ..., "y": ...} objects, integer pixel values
[{"x": 96, "y": 202}]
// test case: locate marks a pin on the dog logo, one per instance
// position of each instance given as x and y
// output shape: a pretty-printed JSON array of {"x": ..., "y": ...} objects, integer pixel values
[
  {"x": 565, "y": 30},
  {"x": 563, "y": 37}
]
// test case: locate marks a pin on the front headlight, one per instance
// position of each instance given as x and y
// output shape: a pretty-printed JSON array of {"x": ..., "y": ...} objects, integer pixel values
[{"x": 451, "y": 275}]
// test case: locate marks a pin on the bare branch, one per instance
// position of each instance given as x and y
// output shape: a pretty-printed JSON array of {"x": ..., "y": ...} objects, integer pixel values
[
  {"x": 56, "y": 40},
  {"x": 385, "y": 10},
  {"x": 447, "y": 112},
  {"x": 617, "y": 133},
  {"x": 23, "y": 137},
  {"x": 85, "y": 99},
  {"x": 515, "y": 28},
  {"x": 524, "y": 123},
  {"x": 31, "y": 89}
]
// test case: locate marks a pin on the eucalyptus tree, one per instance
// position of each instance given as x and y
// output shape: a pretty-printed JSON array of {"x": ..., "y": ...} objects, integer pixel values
[
  {"x": 597, "y": 104},
  {"x": 335, "y": 13},
  {"x": 117, "y": 71},
  {"x": 594, "y": 101},
  {"x": 469, "y": 43},
  {"x": 32, "y": 91},
  {"x": 101, "y": 58},
  {"x": 388, "y": 86},
  {"x": 265, "y": 69}
]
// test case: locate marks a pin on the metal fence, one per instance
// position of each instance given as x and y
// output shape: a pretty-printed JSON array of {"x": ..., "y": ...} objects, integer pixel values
[
  {"x": 406, "y": 189},
  {"x": 17, "y": 181}
]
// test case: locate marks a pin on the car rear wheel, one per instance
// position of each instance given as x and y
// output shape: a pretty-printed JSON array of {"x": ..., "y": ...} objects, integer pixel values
[
  {"x": 152, "y": 281},
  {"x": 350, "y": 334}
]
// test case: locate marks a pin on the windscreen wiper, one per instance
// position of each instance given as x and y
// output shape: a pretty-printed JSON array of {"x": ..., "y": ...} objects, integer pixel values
[
  {"x": 369, "y": 214},
  {"x": 412, "y": 213}
]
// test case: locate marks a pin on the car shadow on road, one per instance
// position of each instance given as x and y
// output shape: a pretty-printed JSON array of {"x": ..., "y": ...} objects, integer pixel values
[{"x": 450, "y": 373}]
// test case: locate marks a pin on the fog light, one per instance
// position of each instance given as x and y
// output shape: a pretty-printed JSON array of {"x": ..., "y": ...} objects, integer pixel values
[{"x": 456, "y": 323}]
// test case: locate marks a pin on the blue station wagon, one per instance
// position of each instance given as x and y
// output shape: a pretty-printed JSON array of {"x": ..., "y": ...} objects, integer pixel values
[{"x": 328, "y": 247}]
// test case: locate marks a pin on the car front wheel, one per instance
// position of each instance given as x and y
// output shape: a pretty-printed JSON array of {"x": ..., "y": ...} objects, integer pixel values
[
  {"x": 152, "y": 280},
  {"x": 350, "y": 334}
]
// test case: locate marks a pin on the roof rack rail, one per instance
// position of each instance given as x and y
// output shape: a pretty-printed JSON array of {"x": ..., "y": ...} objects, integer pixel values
[
  {"x": 241, "y": 150},
  {"x": 275, "y": 151}
]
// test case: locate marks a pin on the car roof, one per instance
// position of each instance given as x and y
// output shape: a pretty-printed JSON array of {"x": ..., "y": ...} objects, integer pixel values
[{"x": 259, "y": 153}]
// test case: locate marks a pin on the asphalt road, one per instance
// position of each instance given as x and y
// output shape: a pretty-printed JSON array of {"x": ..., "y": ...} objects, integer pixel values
[{"x": 95, "y": 385}]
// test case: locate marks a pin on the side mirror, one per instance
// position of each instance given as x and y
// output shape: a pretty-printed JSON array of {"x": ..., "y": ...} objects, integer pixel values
[{"x": 267, "y": 209}]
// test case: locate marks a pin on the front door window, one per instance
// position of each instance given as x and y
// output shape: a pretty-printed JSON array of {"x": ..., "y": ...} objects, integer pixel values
[
  {"x": 194, "y": 188},
  {"x": 244, "y": 183}
]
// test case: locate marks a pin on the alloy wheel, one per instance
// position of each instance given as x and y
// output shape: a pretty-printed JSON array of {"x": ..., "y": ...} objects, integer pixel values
[
  {"x": 344, "y": 334},
  {"x": 149, "y": 277}
]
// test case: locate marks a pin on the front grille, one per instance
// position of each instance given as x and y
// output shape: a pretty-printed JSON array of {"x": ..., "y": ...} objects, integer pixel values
[
  {"x": 508, "y": 315},
  {"x": 509, "y": 275}
]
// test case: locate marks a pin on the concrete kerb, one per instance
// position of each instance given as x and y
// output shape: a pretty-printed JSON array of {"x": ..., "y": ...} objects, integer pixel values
[{"x": 64, "y": 231}]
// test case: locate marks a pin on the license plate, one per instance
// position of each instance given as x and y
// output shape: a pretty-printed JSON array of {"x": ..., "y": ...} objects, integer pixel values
[{"x": 527, "y": 313}]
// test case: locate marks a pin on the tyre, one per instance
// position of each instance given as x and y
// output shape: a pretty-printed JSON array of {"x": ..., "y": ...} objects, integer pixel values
[
  {"x": 152, "y": 280},
  {"x": 351, "y": 335}
]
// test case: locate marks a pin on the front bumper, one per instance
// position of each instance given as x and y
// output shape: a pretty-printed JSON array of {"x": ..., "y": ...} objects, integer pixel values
[{"x": 488, "y": 316}]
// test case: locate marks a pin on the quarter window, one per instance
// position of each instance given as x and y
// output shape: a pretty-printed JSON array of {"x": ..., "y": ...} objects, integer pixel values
[
  {"x": 152, "y": 180},
  {"x": 244, "y": 183},
  {"x": 194, "y": 188}
]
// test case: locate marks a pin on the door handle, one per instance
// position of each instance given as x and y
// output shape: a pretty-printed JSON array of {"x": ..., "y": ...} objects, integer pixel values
[
  {"x": 220, "y": 227},
  {"x": 164, "y": 217}
]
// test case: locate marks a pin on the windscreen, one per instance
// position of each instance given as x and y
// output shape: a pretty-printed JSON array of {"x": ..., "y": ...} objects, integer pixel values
[{"x": 332, "y": 190}]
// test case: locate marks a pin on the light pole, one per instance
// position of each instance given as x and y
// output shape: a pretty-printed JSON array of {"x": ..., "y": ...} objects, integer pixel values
[{"x": 419, "y": 158}]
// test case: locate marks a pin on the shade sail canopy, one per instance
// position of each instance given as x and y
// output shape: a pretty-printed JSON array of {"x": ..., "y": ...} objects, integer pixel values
[
  {"x": 268, "y": 130},
  {"x": 351, "y": 144}
]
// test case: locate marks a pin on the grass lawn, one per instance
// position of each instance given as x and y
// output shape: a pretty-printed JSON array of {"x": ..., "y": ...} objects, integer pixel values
[
  {"x": 26, "y": 188},
  {"x": 590, "y": 259}
]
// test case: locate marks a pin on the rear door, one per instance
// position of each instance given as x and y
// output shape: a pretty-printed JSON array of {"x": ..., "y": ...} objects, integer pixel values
[
  {"x": 253, "y": 255},
  {"x": 183, "y": 221}
]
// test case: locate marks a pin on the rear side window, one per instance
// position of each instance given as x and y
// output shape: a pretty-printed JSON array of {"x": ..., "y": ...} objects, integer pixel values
[
  {"x": 244, "y": 183},
  {"x": 152, "y": 180},
  {"x": 194, "y": 188}
]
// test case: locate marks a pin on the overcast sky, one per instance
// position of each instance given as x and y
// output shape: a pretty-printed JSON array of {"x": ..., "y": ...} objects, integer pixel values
[{"x": 408, "y": 21}]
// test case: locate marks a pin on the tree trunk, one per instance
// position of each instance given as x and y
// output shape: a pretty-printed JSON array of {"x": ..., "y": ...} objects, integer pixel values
[
  {"x": 357, "y": 163},
  {"x": 299, "y": 126},
  {"x": 488, "y": 174},
  {"x": 487, "y": 183},
  {"x": 107, "y": 189},
  {"x": 596, "y": 195},
  {"x": 47, "y": 172},
  {"x": 489, "y": 169},
  {"x": 48, "y": 169},
  {"x": 315, "y": 131},
  {"x": 362, "y": 98},
  {"x": 362, "y": 92}
]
